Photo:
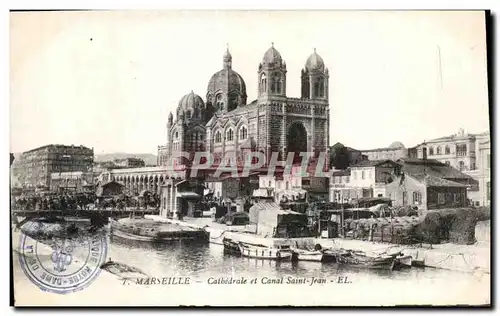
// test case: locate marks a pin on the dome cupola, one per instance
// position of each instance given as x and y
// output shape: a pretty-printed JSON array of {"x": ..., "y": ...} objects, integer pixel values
[
  {"x": 315, "y": 63},
  {"x": 272, "y": 58},
  {"x": 191, "y": 106},
  {"x": 272, "y": 75},
  {"x": 226, "y": 89}
]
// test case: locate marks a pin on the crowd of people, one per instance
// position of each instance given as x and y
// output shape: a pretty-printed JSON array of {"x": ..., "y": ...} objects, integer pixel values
[{"x": 82, "y": 201}]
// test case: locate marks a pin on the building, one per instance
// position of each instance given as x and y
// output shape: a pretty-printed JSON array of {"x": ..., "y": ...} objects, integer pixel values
[
  {"x": 34, "y": 167},
  {"x": 463, "y": 151},
  {"x": 224, "y": 187},
  {"x": 130, "y": 162},
  {"x": 425, "y": 192},
  {"x": 341, "y": 157},
  {"x": 340, "y": 186},
  {"x": 484, "y": 168},
  {"x": 76, "y": 181},
  {"x": 436, "y": 169},
  {"x": 365, "y": 179},
  {"x": 136, "y": 180},
  {"x": 161, "y": 158},
  {"x": 293, "y": 186},
  {"x": 458, "y": 150},
  {"x": 179, "y": 197},
  {"x": 394, "y": 152},
  {"x": 224, "y": 122}
]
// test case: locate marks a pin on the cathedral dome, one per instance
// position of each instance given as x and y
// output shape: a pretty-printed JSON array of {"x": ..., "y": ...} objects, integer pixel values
[
  {"x": 272, "y": 57},
  {"x": 315, "y": 63},
  {"x": 227, "y": 85},
  {"x": 191, "y": 105}
]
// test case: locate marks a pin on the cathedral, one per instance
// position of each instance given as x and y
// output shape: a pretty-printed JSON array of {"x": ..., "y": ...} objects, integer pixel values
[{"x": 273, "y": 123}]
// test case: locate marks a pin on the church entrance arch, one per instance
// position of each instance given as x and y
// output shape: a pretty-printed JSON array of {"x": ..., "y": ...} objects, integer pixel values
[{"x": 296, "y": 140}]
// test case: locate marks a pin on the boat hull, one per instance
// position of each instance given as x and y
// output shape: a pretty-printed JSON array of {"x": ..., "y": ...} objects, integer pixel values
[
  {"x": 265, "y": 253},
  {"x": 360, "y": 260},
  {"x": 231, "y": 247},
  {"x": 117, "y": 230},
  {"x": 305, "y": 255},
  {"x": 404, "y": 261}
]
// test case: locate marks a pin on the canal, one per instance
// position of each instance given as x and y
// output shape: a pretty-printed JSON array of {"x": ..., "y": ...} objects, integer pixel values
[
  {"x": 278, "y": 283},
  {"x": 208, "y": 262}
]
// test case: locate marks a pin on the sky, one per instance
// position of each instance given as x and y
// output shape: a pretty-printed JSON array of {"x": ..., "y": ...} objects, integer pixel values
[{"x": 108, "y": 79}]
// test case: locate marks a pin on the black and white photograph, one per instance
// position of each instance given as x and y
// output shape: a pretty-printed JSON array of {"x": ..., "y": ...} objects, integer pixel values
[{"x": 260, "y": 158}]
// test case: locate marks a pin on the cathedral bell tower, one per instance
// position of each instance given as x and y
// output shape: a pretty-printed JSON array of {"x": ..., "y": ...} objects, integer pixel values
[
  {"x": 314, "y": 78},
  {"x": 272, "y": 75}
]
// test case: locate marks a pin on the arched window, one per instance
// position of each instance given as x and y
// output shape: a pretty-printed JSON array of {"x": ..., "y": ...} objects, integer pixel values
[
  {"x": 243, "y": 133},
  {"x": 431, "y": 151},
  {"x": 218, "y": 137},
  {"x": 316, "y": 89},
  {"x": 230, "y": 134},
  {"x": 219, "y": 102},
  {"x": 269, "y": 184},
  {"x": 321, "y": 87},
  {"x": 176, "y": 135},
  {"x": 447, "y": 150},
  {"x": 188, "y": 114},
  {"x": 276, "y": 84},
  {"x": 263, "y": 83},
  {"x": 438, "y": 150}
]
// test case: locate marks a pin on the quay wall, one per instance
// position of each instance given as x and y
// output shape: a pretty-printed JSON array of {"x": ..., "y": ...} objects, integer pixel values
[{"x": 464, "y": 258}]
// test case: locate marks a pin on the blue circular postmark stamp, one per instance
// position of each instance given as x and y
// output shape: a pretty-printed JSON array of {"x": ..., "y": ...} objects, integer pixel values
[{"x": 62, "y": 265}]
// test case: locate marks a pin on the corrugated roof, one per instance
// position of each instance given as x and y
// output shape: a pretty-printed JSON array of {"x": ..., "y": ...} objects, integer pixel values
[{"x": 265, "y": 206}]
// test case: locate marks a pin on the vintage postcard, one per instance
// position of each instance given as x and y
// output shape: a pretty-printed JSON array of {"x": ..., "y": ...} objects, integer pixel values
[{"x": 250, "y": 158}]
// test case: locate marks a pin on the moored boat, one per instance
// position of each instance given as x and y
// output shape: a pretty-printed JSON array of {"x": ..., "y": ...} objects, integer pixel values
[
  {"x": 152, "y": 232},
  {"x": 404, "y": 260},
  {"x": 263, "y": 252},
  {"x": 362, "y": 260},
  {"x": 307, "y": 255},
  {"x": 231, "y": 247}
]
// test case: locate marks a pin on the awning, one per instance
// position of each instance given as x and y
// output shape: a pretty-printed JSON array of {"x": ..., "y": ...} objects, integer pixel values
[
  {"x": 262, "y": 193},
  {"x": 188, "y": 195}
]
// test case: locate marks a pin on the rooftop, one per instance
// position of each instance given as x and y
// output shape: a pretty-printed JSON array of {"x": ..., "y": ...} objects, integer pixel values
[
  {"x": 432, "y": 181},
  {"x": 56, "y": 146},
  {"x": 372, "y": 163},
  {"x": 431, "y": 167},
  {"x": 338, "y": 173}
]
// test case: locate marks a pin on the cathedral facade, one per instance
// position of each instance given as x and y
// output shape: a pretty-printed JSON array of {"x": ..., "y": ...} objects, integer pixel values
[{"x": 273, "y": 123}]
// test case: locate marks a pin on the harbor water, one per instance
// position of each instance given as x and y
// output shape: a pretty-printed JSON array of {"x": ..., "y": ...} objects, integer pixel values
[
  {"x": 213, "y": 276},
  {"x": 209, "y": 263}
]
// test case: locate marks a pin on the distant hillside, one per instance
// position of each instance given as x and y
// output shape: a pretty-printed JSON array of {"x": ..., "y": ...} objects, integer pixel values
[{"x": 149, "y": 159}]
